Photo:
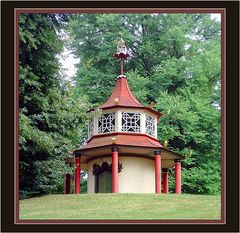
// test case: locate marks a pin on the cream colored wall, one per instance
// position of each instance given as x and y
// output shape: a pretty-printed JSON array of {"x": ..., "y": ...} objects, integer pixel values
[
  {"x": 91, "y": 178},
  {"x": 137, "y": 175}
]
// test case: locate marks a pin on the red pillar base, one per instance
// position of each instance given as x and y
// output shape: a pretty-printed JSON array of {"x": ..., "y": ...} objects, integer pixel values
[
  {"x": 177, "y": 177},
  {"x": 67, "y": 184},
  {"x": 114, "y": 170},
  {"x": 77, "y": 174},
  {"x": 157, "y": 171},
  {"x": 165, "y": 180}
]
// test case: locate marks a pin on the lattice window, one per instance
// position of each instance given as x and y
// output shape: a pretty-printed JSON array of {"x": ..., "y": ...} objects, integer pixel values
[
  {"x": 150, "y": 125},
  {"x": 90, "y": 128},
  {"x": 106, "y": 123},
  {"x": 131, "y": 122}
]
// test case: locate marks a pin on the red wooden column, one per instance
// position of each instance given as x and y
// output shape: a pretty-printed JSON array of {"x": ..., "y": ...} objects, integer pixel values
[
  {"x": 157, "y": 171},
  {"x": 177, "y": 176},
  {"x": 114, "y": 169},
  {"x": 77, "y": 173},
  {"x": 67, "y": 184},
  {"x": 165, "y": 180}
]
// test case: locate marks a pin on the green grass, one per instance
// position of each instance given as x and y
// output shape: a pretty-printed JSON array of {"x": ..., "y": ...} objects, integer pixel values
[{"x": 121, "y": 206}]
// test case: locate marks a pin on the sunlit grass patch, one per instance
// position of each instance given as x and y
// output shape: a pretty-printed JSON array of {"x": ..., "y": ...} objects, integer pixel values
[{"x": 121, "y": 206}]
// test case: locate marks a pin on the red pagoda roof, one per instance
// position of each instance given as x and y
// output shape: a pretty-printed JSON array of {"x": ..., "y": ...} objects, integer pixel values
[
  {"x": 128, "y": 143},
  {"x": 126, "y": 139},
  {"x": 121, "y": 95}
]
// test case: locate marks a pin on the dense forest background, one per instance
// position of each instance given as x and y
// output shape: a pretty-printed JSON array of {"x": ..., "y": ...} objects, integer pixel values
[{"x": 175, "y": 62}]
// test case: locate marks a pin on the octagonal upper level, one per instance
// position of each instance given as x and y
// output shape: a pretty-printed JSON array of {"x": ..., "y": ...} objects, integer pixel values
[
  {"x": 122, "y": 112},
  {"x": 127, "y": 120}
]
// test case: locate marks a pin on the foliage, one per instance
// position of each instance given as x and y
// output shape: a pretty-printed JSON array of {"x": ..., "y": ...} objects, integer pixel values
[
  {"x": 50, "y": 118},
  {"x": 175, "y": 62},
  {"x": 83, "y": 186}
]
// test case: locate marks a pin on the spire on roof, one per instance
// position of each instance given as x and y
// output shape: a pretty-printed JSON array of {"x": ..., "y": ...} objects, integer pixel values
[
  {"x": 122, "y": 95},
  {"x": 122, "y": 53}
]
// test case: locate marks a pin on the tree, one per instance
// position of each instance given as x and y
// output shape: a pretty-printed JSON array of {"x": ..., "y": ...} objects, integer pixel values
[
  {"x": 176, "y": 62},
  {"x": 50, "y": 118}
]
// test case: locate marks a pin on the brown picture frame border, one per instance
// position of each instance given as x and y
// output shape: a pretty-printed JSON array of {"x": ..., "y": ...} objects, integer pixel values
[{"x": 230, "y": 127}]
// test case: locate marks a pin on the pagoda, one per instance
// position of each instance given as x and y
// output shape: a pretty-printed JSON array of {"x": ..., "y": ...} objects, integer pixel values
[{"x": 123, "y": 154}]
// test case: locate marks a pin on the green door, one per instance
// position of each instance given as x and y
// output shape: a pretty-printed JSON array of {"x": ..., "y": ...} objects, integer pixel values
[{"x": 105, "y": 182}]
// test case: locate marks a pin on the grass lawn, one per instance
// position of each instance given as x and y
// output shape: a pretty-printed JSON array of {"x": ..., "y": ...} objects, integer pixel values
[{"x": 121, "y": 206}]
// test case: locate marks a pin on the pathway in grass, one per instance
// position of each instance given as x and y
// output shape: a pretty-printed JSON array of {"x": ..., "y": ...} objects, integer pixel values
[{"x": 121, "y": 206}]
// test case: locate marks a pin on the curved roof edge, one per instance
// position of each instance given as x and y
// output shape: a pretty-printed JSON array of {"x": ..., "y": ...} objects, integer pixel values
[
  {"x": 159, "y": 114},
  {"x": 122, "y": 97}
]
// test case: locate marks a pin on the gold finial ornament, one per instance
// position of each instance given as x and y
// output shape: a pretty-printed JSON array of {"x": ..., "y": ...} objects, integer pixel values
[
  {"x": 114, "y": 139},
  {"x": 121, "y": 34},
  {"x": 121, "y": 43},
  {"x": 121, "y": 48},
  {"x": 165, "y": 143},
  {"x": 122, "y": 53},
  {"x": 116, "y": 100}
]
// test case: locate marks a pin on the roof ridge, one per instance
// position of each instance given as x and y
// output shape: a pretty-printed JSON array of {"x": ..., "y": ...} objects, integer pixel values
[{"x": 131, "y": 94}]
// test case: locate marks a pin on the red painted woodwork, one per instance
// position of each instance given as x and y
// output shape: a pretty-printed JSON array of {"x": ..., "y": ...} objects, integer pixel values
[
  {"x": 177, "y": 177},
  {"x": 114, "y": 170},
  {"x": 157, "y": 173},
  {"x": 123, "y": 133},
  {"x": 121, "y": 56},
  {"x": 77, "y": 175},
  {"x": 158, "y": 114},
  {"x": 67, "y": 184},
  {"x": 130, "y": 139},
  {"x": 165, "y": 181},
  {"x": 124, "y": 95}
]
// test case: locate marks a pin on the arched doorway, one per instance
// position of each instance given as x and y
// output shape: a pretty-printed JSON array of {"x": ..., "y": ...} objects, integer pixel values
[
  {"x": 103, "y": 177},
  {"x": 104, "y": 182}
]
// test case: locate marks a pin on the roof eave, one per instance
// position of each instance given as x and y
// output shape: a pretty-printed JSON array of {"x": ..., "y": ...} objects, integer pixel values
[{"x": 159, "y": 114}]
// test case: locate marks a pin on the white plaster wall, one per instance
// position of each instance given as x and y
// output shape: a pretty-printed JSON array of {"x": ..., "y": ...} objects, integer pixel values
[{"x": 137, "y": 175}]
